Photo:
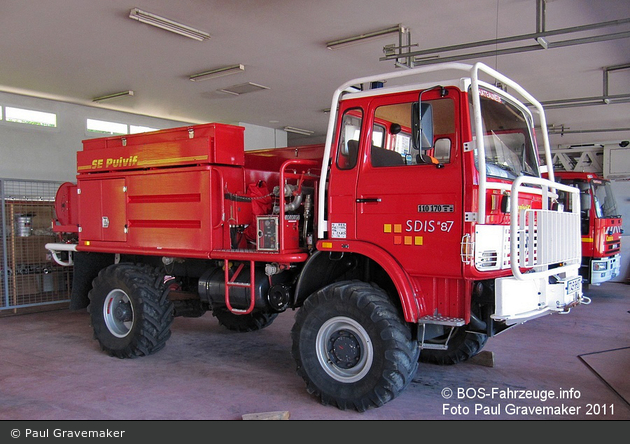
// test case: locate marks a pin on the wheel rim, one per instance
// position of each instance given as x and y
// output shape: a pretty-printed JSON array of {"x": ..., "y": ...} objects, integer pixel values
[
  {"x": 344, "y": 349},
  {"x": 118, "y": 313}
]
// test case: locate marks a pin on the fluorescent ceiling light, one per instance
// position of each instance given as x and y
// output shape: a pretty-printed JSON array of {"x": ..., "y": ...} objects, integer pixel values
[
  {"x": 219, "y": 72},
  {"x": 169, "y": 25},
  {"x": 112, "y": 96},
  {"x": 350, "y": 40},
  {"x": 243, "y": 88},
  {"x": 304, "y": 132}
]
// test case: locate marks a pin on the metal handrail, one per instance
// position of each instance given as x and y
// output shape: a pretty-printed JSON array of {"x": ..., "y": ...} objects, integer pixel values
[{"x": 533, "y": 232}]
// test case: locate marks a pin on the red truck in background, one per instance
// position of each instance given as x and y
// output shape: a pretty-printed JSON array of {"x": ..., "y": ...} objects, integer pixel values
[
  {"x": 601, "y": 226},
  {"x": 421, "y": 227}
]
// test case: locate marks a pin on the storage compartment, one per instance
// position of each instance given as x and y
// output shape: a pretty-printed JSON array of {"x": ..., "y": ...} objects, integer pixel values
[
  {"x": 102, "y": 210},
  {"x": 177, "y": 212},
  {"x": 212, "y": 143}
]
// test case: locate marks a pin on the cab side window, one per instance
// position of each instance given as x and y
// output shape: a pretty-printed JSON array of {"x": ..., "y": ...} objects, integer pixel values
[
  {"x": 392, "y": 133},
  {"x": 349, "y": 136}
]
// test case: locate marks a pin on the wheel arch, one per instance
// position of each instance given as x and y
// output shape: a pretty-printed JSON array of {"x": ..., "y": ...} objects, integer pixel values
[{"x": 328, "y": 265}]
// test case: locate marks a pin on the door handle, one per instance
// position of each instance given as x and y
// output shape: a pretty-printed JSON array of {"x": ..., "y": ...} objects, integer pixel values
[{"x": 369, "y": 200}]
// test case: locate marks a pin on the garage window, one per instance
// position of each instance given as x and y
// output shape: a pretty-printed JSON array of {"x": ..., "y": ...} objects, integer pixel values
[
  {"x": 104, "y": 127},
  {"x": 135, "y": 129},
  {"x": 30, "y": 117}
]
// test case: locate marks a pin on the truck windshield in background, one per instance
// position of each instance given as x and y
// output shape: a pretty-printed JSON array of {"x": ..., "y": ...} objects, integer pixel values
[
  {"x": 597, "y": 192},
  {"x": 605, "y": 203},
  {"x": 507, "y": 137}
]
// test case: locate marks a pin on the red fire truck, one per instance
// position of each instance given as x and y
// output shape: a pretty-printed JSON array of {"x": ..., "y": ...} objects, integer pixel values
[
  {"x": 420, "y": 228},
  {"x": 601, "y": 226}
]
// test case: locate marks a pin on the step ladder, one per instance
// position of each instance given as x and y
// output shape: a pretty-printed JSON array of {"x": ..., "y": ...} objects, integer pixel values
[{"x": 231, "y": 282}]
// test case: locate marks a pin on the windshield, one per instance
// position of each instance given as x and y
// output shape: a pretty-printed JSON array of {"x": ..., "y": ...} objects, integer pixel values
[
  {"x": 605, "y": 204},
  {"x": 507, "y": 138}
]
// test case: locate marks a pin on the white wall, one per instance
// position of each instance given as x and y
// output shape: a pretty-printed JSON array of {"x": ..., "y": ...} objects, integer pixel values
[
  {"x": 43, "y": 153},
  {"x": 260, "y": 137},
  {"x": 33, "y": 152}
]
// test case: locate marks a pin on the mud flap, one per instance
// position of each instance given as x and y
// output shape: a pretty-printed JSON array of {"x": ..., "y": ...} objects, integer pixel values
[{"x": 86, "y": 268}]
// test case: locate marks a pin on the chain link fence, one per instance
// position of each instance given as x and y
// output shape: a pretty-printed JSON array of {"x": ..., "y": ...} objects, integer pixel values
[{"x": 29, "y": 276}]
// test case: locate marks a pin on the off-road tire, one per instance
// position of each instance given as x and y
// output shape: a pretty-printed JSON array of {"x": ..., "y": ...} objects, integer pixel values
[
  {"x": 462, "y": 346},
  {"x": 243, "y": 323},
  {"x": 352, "y": 346},
  {"x": 129, "y": 310}
]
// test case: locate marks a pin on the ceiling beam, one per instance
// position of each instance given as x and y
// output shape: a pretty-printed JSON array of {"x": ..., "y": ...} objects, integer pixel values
[{"x": 431, "y": 53}]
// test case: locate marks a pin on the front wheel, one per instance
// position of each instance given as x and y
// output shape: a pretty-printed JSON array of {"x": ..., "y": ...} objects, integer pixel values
[
  {"x": 352, "y": 346},
  {"x": 129, "y": 310}
]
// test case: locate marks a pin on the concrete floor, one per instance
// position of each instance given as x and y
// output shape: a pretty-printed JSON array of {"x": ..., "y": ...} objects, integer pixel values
[{"x": 52, "y": 369}]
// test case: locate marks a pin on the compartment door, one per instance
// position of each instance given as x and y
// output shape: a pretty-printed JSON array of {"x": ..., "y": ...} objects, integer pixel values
[{"x": 103, "y": 210}]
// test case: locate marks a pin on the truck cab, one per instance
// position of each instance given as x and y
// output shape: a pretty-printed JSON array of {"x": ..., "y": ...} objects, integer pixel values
[
  {"x": 440, "y": 184},
  {"x": 600, "y": 227}
]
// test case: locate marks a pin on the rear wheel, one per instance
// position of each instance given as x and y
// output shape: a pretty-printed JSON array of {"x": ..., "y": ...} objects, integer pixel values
[
  {"x": 352, "y": 346},
  {"x": 129, "y": 310}
]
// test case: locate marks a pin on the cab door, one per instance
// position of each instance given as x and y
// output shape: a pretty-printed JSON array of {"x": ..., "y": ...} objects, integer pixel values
[
  {"x": 344, "y": 166},
  {"x": 411, "y": 208}
]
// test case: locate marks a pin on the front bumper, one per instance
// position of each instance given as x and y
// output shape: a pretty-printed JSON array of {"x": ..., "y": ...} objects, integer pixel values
[
  {"x": 518, "y": 300},
  {"x": 605, "y": 269}
]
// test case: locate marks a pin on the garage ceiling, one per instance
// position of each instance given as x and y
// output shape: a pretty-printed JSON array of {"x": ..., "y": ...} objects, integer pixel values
[{"x": 76, "y": 50}]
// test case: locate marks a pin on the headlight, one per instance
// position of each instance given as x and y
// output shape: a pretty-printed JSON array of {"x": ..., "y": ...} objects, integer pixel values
[
  {"x": 600, "y": 266},
  {"x": 487, "y": 259}
]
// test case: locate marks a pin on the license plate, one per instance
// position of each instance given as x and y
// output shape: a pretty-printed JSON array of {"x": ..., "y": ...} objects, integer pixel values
[{"x": 573, "y": 285}]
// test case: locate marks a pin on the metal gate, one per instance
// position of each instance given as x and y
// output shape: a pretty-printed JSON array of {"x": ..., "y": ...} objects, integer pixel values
[{"x": 29, "y": 276}]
